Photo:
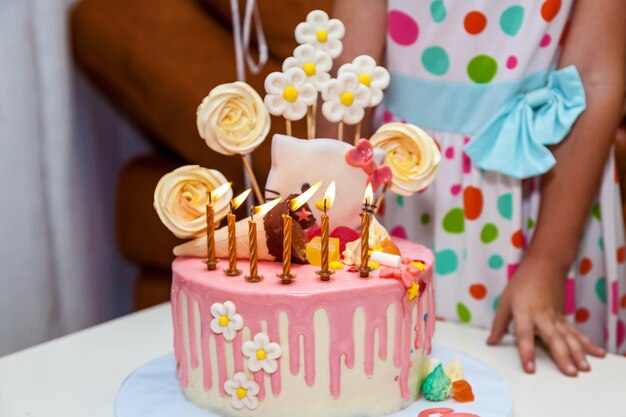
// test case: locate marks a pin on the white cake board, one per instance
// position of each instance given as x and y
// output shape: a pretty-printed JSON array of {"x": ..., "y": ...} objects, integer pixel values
[{"x": 153, "y": 390}]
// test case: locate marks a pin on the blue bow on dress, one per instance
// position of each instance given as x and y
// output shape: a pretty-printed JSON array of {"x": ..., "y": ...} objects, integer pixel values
[{"x": 514, "y": 141}]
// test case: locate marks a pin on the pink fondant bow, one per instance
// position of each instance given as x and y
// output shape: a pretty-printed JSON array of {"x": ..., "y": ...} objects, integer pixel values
[
  {"x": 406, "y": 274},
  {"x": 362, "y": 156}
]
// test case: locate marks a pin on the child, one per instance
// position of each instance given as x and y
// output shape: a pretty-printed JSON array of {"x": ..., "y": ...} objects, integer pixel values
[{"x": 517, "y": 237}]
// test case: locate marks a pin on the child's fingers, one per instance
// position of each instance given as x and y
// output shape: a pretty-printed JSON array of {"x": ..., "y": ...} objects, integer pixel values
[
  {"x": 576, "y": 349},
  {"x": 500, "y": 322},
  {"x": 558, "y": 347},
  {"x": 525, "y": 336},
  {"x": 590, "y": 347}
]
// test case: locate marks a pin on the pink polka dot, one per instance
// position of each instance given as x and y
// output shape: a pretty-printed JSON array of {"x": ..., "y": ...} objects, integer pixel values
[
  {"x": 621, "y": 333},
  {"x": 387, "y": 116},
  {"x": 511, "y": 62},
  {"x": 399, "y": 231},
  {"x": 570, "y": 296},
  {"x": 466, "y": 139},
  {"x": 467, "y": 164},
  {"x": 455, "y": 189},
  {"x": 449, "y": 152},
  {"x": 614, "y": 297},
  {"x": 403, "y": 29},
  {"x": 510, "y": 270},
  {"x": 545, "y": 41}
]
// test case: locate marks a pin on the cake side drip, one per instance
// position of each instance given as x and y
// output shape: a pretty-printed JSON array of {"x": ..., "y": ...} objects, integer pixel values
[{"x": 350, "y": 306}]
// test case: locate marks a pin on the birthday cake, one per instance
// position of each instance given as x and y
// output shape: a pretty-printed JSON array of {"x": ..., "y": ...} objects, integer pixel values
[{"x": 307, "y": 306}]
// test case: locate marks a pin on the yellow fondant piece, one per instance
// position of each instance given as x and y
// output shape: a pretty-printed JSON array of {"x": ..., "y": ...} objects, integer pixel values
[
  {"x": 347, "y": 98},
  {"x": 335, "y": 266},
  {"x": 373, "y": 264},
  {"x": 365, "y": 79},
  {"x": 418, "y": 265},
  {"x": 314, "y": 251},
  {"x": 322, "y": 36},
  {"x": 413, "y": 291},
  {"x": 290, "y": 93},
  {"x": 309, "y": 69}
]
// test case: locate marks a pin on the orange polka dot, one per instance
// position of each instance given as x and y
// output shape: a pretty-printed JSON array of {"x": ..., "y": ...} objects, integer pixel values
[
  {"x": 622, "y": 302},
  {"x": 585, "y": 266},
  {"x": 475, "y": 22},
  {"x": 550, "y": 9},
  {"x": 518, "y": 239},
  {"x": 472, "y": 202},
  {"x": 478, "y": 291},
  {"x": 621, "y": 254},
  {"x": 582, "y": 315}
]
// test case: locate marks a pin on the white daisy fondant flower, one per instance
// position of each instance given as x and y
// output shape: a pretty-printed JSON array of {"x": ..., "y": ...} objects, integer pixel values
[
  {"x": 226, "y": 320},
  {"x": 315, "y": 63},
  {"x": 262, "y": 353},
  {"x": 373, "y": 76},
  {"x": 323, "y": 33},
  {"x": 344, "y": 99},
  {"x": 242, "y": 392},
  {"x": 289, "y": 93}
]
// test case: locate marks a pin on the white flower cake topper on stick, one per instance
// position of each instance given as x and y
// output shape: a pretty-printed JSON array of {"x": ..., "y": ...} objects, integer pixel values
[
  {"x": 289, "y": 94},
  {"x": 372, "y": 76},
  {"x": 321, "y": 32},
  {"x": 345, "y": 99},
  {"x": 316, "y": 64},
  {"x": 233, "y": 119}
]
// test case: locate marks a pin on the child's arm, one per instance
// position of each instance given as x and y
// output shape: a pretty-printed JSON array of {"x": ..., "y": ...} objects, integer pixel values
[
  {"x": 366, "y": 32},
  {"x": 534, "y": 298}
]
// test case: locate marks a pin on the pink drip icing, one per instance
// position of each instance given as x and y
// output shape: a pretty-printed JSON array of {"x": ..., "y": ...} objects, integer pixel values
[
  {"x": 339, "y": 298},
  {"x": 205, "y": 332},
  {"x": 419, "y": 322},
  {"x": 191, "y": 318},
  {"x": 180, "y": 346},
  {"x": 375, "y": 321}
]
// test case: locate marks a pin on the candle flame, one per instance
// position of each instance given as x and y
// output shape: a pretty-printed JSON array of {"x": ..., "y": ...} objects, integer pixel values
[
  {"x": 296, "y": 203},
  {"x": 219, "y": 191},
  {"x": 329, "y": 196},
  {"x": 263, "y": 209},
  {"x": 237, "y": 201},
  {"x": 369, "y": 195}
]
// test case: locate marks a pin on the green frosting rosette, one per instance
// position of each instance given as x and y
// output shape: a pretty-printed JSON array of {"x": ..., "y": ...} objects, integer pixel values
[{"x": 437, "y": 385}]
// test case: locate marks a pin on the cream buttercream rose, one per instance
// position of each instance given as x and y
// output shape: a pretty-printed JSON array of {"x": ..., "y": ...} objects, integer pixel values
[
  {"x": 233, "y": 119},
  {"x": 412, "y": 155},
  {"x": 181, "y": 196}
]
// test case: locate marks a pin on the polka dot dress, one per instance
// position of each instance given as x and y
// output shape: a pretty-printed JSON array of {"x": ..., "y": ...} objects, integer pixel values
[{"x": 480, "y": 223}]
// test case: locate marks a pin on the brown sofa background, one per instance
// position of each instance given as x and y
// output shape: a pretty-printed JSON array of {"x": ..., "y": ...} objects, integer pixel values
[{"x": 155, "y": 60}]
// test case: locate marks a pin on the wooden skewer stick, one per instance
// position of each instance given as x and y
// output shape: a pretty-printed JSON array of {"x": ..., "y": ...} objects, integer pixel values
[
  {"x": 314, "y": 119},
  {"x": 340, "y": 131},
  {"x": 381, "y": 198},
  {"x": 288, "y": 127},
  {"x": 255, "y": 185},
  {"x": 310, "y": 122},
  {"x": 357, "y": 132}
]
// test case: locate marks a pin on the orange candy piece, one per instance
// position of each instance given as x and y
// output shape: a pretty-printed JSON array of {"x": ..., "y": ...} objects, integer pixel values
[{"x": 462, "y": 391}]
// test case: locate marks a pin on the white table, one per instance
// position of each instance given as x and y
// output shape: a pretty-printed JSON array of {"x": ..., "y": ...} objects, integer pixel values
[{"x": 79, "y": 375}]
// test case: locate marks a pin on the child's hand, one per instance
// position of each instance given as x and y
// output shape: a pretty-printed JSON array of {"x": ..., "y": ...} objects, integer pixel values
[{"x": 534, "y": 300}]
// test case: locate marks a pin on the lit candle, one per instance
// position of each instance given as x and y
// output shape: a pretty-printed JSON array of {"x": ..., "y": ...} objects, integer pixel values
[
  {"x": 293, "y": 205},
  {"x": 259, "y": 212},
  {"x": 211, "y": 262},
  {"x": 364, "y": 268},
  {"x": 232, "y": 236},
  {"x": 329, "y": 198}
]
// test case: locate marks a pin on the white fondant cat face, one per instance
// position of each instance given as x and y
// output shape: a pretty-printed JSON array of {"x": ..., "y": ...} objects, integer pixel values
[{"x": 296, "y": 162}]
